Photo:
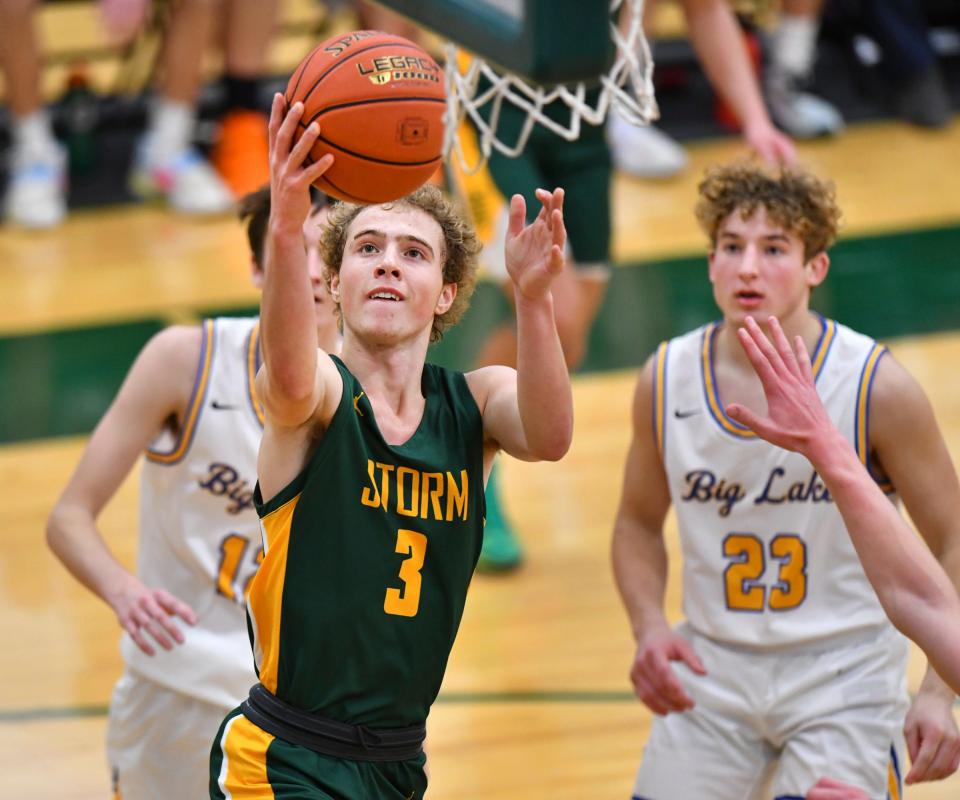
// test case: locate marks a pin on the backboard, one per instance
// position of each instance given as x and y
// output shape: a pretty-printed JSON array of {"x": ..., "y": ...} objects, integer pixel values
[{"x": 543, "y": 41}]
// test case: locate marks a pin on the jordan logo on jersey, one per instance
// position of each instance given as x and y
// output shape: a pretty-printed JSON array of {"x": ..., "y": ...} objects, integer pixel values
[
  {"x": 704, "y": 486},
  {"x": 222, "y": 480}
]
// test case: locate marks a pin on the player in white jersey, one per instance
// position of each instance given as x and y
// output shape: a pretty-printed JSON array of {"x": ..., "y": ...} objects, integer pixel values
[
  {"x": 189, "y": 405},
  {"x": 788, "y": 667},
  {"x": 912, "y": 587}
]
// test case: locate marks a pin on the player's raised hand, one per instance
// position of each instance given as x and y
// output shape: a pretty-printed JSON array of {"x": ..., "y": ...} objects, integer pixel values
[
  {"x": 654, "y": 680},
  {"x": 932, "y": 737},
  {"x": 534, "y": 252},
  {"x": 290, "y": 178},
  {"x": 147, "y": 615},
  {"x": 796, "y": 419},
  {"x": 831, "y": 789}
]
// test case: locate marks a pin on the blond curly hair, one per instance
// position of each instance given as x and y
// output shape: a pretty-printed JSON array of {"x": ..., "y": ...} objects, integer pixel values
[
  {"x": 460, "y": 247},
  {"x": 795, "y": 199}
]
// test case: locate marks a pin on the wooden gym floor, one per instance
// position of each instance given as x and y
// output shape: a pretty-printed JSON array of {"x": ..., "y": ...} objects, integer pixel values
[{"x": 536, "y": 703}]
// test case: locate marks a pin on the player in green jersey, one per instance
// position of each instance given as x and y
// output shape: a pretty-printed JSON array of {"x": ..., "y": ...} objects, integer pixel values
[{"x": 371, "y": 474}]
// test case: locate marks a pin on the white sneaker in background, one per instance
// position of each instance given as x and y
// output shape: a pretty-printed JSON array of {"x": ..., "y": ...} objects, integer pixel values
[
  {"x": 183, "y": 178},
  {"x": 36, "y": 194},
  {"x": 643, "y": 151},
  {"x": 802, "y": 115}
]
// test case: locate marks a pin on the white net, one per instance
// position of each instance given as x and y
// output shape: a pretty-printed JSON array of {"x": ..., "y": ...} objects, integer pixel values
[{"x": 628, "y": 86}]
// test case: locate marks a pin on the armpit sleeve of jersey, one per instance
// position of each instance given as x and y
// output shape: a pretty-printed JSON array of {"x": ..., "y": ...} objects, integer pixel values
[
  {"x": 660, "y": 397},
  {"x": 195, "y": 406},
  {"x": 253, "y": 366},
  {"x": 861, "y": 430}
]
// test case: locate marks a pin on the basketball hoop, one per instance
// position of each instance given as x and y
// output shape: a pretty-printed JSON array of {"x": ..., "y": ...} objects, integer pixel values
[{"x": 627, "y": 85}]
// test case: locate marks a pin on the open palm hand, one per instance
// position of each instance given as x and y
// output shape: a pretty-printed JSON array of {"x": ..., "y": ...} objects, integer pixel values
[
  {"x": 534, "y": 252},
  {"x": 796, "y": 419}
]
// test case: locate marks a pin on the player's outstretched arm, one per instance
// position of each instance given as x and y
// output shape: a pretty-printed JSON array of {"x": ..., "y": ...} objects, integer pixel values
[
  {"x": 158, "y": 387},
  {"x": 529, "y": 412},
  {"x": 640, "y": 565},
  {"x": 912, "y": 587},
  {"x": 906, "y": 444},
  {"x": 290, "y": 388}
]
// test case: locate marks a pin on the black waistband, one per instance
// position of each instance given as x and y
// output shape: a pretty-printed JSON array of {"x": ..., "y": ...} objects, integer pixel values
[{"x": 328, "y": 736}]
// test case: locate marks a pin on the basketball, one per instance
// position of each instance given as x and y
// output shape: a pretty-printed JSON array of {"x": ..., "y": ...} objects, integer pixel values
[{"x": 379, "y": 100}]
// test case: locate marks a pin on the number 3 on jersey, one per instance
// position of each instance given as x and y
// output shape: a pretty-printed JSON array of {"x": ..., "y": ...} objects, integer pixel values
[
  {"x": 406, "y": 602},
  {"x": 741, "y": 579}
]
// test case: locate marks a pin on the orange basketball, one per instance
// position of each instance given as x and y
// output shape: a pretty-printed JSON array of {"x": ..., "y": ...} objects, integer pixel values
[{"x": 379, "y": 100}]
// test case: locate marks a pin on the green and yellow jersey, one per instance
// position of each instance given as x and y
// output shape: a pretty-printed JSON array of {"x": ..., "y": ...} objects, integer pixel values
[{"x": 369, "y": 554}]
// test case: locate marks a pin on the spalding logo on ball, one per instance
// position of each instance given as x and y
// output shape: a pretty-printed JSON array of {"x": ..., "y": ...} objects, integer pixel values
[{"x": 379, "y": 100}]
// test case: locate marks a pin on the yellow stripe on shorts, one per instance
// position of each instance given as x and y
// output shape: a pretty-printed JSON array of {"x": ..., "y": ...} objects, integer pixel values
[{"x": 243, "y": 774}]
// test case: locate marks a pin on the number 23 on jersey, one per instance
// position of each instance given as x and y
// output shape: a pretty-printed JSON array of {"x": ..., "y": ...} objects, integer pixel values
[{"x": 743, "y": 589}]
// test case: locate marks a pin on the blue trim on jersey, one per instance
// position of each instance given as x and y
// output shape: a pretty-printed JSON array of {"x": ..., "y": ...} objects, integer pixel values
[
  {"x": 663, "y": 422},
  {"x": 829, "y": 326},
  {"x": 896, "y": 768},
  {"x": 856, "y": 405},
  {"x": 198, "y": 398},
  {"x": 257, "y": 361},
  {"x": 864, "y": 446},
  {"x": 866, "y": 410},
  {"x": 211, "y": 343},
  {"x": 656, "y": 390},
  {"x": 707, "y": 346},
  {"x": 659, "y": 406},
  {"x": 711, "y": 391},
  {"x": 788, "y": 797}
]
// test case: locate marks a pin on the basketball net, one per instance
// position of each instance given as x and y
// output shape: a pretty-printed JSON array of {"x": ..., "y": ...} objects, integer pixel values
[{"x": 628, "y": 86}]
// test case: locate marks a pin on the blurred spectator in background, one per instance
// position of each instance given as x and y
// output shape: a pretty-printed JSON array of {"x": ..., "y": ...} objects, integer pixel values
[
  {"x": 166, "y": 164},
  {"x": 36, "y": 192},
  {"x": 907, "y": 62},
  {"x": 240, "y": 152},
  {"x": 891, "y": 33},
  {"x": 718, "y": 42},
  {"x": 792, "y": 51}
]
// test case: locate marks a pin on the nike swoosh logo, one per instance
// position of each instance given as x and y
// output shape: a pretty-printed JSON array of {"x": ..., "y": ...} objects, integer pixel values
[
  {"x": 684, "y": 414},
  {"x": 222, "y": 406},
  {"x": 356, "y": 401}
]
